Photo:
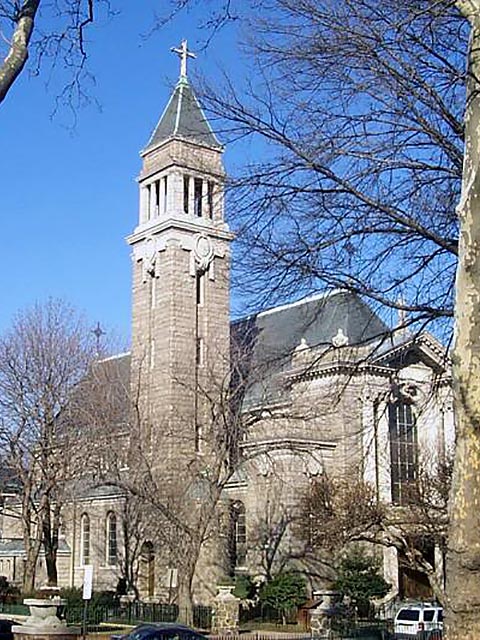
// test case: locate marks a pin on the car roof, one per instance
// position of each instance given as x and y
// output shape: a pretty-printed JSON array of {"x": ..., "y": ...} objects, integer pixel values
[
  {"x": 421, "y": 605},
  {"x": 166, "y": 626}
]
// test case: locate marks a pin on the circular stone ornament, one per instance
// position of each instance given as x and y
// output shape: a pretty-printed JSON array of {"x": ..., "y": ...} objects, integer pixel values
[{"x": 203, "y": 250}]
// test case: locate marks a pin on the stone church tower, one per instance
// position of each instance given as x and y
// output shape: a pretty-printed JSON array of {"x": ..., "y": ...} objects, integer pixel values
[{"x": 181, "y": 262}]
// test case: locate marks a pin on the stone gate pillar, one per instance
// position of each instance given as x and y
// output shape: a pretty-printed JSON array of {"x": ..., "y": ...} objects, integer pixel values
[{"x": 226, "y": 611}]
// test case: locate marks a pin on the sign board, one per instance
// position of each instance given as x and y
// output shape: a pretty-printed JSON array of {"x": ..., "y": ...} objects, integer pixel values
[
  {"x": 87, "y": 581},
  {"x": 171, "y": 578}
]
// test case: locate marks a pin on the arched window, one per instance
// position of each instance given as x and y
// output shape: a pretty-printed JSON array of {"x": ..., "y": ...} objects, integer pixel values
[
  {"x": 85, "y": 540},
  {"x": 111, "y": 539},
  {"x": 403, "y": 450},
  {"x": 238, "y": 534}
]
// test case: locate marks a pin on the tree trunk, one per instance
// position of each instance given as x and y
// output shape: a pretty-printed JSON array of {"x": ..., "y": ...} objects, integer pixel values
[
  {"x": 31, "y": 545},
  {"x": 29, "y": 567},
  {"x": 50, "y": 526},
  {"x": 462, "y": 618},
  {"x": 17, "y": 55},
  {"x": 185, "y": 600},
  {"x": 51, "y": 566}
]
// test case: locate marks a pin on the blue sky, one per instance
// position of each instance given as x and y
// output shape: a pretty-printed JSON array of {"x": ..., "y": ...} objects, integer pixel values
[{"x": 69, "y": 197}]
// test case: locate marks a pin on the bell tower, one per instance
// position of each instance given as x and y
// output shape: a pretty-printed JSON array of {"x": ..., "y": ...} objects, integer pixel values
[{"x": 181, "y": 264}]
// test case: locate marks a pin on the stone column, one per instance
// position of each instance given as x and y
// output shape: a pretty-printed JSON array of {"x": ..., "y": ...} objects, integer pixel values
[
  {"x": 163, "y": 203},
  {"x": 226, "y": 611},
  {"x": 370, "y": 443},
  {"x": 321, "y": 616},
  {"x": 217, "y": 201},
  {"x": 205, "y": 211},
  {"x": 191, "y": 198},
  {"x": 390, "y": 568},
  {"x": 153, "y": 200},
  {"x": 383, "y": 448},
  {"x": 143, "y": 205}
]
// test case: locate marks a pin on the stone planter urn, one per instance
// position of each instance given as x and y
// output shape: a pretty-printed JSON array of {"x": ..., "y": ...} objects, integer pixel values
[
  {"x": 43, "y": 622},
  {"x": 44, "y": 613}
]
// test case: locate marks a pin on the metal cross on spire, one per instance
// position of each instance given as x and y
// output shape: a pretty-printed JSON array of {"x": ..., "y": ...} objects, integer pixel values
[
  {"x": 183, "y": 54},
  {"x": 98, "y": 332}
]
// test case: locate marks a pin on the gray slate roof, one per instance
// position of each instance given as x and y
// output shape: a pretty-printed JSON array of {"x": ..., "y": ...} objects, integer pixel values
[
  {"x": 15, "y": 547},
  {"x": 267, "y": 340},
  {"x": 86, "y": 490},
  {"x": 183, "y": 118}
]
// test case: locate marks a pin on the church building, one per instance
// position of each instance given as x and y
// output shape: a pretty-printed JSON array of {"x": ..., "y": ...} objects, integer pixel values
[{"x": 241, "y": 416}]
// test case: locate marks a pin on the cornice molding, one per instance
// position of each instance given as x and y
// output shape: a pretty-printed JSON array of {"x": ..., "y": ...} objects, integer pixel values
[{"x": 171, "y": 223}]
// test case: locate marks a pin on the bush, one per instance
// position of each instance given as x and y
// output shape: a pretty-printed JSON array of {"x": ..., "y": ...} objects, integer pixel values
[
  {"x": 245, "y": 587},
  {"x": 74, "y": 597},
  {"x": 359, "y": 578},
  {"x": 8, "y": 593},
  {"x": 104, "y": 598},
  {"x": 285, "y": 592}
]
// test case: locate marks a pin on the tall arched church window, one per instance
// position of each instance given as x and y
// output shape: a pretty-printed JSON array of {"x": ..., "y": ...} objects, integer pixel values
[
  {"x": 112, "y": 550},
  {"x": 403, "y": 450},
  {"x": 85, "y": 540},
  {"x": 238, "y": 534}
]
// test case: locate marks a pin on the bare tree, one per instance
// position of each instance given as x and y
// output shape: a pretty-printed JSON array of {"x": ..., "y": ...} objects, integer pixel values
[
  {"x": 47, "y": 32},
  {"x": 171, "y": 508},
  {"x": 53, "y": 35},
  {"x": 179, "y": 502},
  {"x": 186, "y": 507},
  {"x": 362, "y": 109},
  {"x": 358, "y": 109},
  {"x": 336, "y": 512},
  {"x": 44, "y": 355}
]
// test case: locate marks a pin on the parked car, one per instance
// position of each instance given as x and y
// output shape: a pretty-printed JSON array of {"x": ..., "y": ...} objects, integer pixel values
[
  {"x": 412, "y": 620},
  {"x": 6, "y": 629},
  {"x": 161, "y": 631}
]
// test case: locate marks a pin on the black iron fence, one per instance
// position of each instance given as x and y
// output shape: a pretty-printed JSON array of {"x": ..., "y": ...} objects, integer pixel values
[
  {"x": 130, "y": 613},
  {"x": 133, "y": 613}
]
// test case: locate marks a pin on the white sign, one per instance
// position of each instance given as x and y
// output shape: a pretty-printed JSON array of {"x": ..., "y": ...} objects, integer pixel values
[
  {"x": 87, "y": 581},
  {"x": 171, "y": 578}
]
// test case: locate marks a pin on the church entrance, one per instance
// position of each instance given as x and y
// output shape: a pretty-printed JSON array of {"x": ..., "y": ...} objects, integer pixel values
[{"x": 414, "y": 584}]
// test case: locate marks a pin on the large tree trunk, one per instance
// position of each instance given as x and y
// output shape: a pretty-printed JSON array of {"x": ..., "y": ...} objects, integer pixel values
[
  {"x": 463, "y": 558},
  {"x": 50, "y": 541},
  {"x": 29, "y": 570},
  {"x": 185, "y": 599},
  {"x": 31, "y": 544}
]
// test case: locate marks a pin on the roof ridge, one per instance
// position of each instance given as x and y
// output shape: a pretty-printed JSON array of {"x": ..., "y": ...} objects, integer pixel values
[
  {"x": 305, "y": 300},
  {"x": 288, "y": 305},
  {"x": 179, "y": 86},
  {"x": 183, "y": 119}
]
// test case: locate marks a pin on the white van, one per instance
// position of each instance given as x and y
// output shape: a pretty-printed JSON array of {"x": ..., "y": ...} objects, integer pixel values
[{"x": 412, "y": 619}]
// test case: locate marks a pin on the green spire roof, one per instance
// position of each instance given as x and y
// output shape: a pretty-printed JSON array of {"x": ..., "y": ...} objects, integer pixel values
[{"x": 183, "y": 118}]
